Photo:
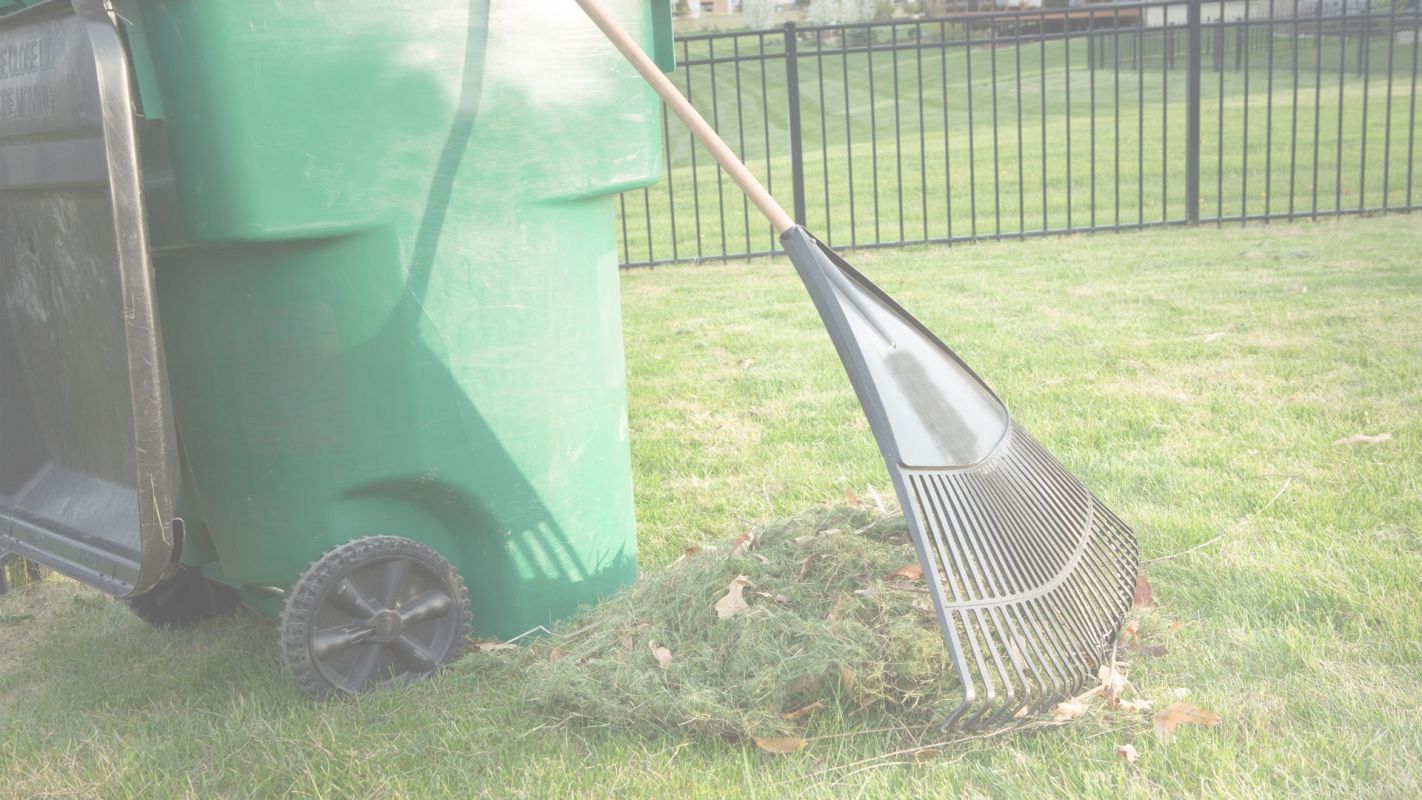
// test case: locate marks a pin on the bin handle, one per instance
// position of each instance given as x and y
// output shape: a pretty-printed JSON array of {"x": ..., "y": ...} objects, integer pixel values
[{"x": 682, "y": 107}]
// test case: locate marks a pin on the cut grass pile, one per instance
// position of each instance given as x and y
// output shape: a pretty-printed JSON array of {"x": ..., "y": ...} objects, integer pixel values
[{"x": 825, "y": 628}]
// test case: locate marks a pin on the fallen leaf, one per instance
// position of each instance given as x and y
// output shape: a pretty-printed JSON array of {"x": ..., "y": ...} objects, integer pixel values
[
  {"x": 661, "y": 654},
  {"x": 1144, "y": 596},
  {"x": 923, "y": 752},
  {"x": 838, "y": 608},
  {"x": 1133, "y": 706},
  {"x": 1164, "y": 722},
  {"x": 1113, "y": 682},
  {"x": 1363, "y": 438},
  {"x": 1214, "y": 336},
  {"x": 490, "y": 647},
  {"x": 626, "y": 643},
  {"x": 851, "y": 498},
  {"x": 734, "y": 602},
  {"x": 803, "y": 711},
  {"x": 1127, "y": 753},
  {"x": 779, "y": 745},
  {"x": 691, "y": 550},
  {"x": 805, "y": 566},
  {"x": 743, "y": 543},
  {"x": 846, "y": 680},
  {"x": 1067, "y": 710},
  {"x": 908, "y": 572},
  {"x": 747, "y": 363},
  {"x": 557, "y": 654},
  {"x": 1129, "y": 637}
]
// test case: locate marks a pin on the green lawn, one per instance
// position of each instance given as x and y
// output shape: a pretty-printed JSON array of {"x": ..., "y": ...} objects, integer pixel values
[
  {"x": 1258, "y": 143},
  {"x": 1196, "y": 379}
]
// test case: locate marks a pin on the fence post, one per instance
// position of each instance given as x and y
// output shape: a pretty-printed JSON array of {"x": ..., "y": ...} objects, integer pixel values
[
  {"x": 1192, "y": 116},
  {"x": 797, "y": 155}
]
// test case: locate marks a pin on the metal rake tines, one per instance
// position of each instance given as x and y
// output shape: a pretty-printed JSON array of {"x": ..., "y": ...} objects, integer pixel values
[{"x": 1031, "y": 575}]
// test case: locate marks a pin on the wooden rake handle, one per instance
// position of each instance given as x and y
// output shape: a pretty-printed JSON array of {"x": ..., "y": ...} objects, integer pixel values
[{"x": 700, "y": 128}]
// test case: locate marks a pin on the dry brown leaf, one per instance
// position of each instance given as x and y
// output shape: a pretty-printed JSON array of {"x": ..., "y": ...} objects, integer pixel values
[
  {"x": 1129, "y": 637},
  {"x": 803, "y": 711},
  {"x": 491, "y": 647},
  {"x": 1363, "y": 438},
  {"x": 1127, "y": 753},
  {"x": 1164, "y": 722},
  {"x": 779, "y": 745},
  {"x": 691, "y": 550},
  {"x": 923, "y": 752},
  {"x": 908, "y": 572},
  {"x": 846, "y": 680},
  {"x": 1113, "y": 682},
  {"x": 661, "y": 654},
  {"x": 838, "y": 608},
  {"x": 1214, "y": 336},
  {"x": 747, "y": 363},
  {"x": 1067, "y": 710},
  {"x": 851, "y": 498},
  {"x": 743, "y": 543},
  {"x": 805, "y": 566},
  {"x": 1133, "y": 706},
  {"x": 735, "y": 601},
  {"x": 557, "y": 654},
  {"x": 1144, "y": 596},
  {"x": 626, "y": 643}
]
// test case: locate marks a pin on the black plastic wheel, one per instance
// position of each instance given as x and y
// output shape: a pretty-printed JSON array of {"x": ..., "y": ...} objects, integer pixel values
[
  {"x": 372, "y": 612},
  {"x": 187, "y": 598}
]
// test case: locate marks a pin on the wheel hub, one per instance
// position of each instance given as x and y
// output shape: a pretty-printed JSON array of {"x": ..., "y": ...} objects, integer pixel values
[{"x": 388, "y": 626}]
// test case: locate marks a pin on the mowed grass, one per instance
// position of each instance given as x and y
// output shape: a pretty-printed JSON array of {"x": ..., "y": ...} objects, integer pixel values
[
  {"x": 934, "y": 142},
  {"x": 1196, "y": 379}
]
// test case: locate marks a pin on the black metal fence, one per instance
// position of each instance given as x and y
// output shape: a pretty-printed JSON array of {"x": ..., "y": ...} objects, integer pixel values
[{"x": 1020, "y": 123}]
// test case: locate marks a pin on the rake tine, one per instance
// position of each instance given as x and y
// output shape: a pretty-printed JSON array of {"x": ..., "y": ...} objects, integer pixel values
[
  {"x": 990, "y": 552},
  {"x": 1043, "y": 634}
]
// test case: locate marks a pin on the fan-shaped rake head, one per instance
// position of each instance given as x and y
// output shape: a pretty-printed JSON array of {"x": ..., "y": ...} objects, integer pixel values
[{"x": 1030, "y": 574}]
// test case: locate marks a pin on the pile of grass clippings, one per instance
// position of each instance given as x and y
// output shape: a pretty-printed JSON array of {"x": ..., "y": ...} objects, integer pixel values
[{"x": 828, "y": 628}]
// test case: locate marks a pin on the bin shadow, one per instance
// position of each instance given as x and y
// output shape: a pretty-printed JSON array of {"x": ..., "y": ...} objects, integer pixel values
[{"x": 516, "y": 557}]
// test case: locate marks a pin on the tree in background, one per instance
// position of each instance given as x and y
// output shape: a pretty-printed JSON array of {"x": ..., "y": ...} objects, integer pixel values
[
  {"x": 760, "y": 14},
  {"x": 841, "y": 12}
]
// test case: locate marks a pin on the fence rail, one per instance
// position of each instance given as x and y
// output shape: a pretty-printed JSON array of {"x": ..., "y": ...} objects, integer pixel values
[{"x": 1021, "y": 123}]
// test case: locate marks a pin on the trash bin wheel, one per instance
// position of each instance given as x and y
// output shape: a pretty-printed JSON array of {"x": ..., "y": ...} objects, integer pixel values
[
  {"x": 371, "y": 612},
  {"x": 186, "y": 598}
]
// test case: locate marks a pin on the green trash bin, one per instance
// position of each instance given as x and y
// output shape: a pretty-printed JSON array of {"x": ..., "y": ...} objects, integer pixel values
[{"x": 315, "y": 306}]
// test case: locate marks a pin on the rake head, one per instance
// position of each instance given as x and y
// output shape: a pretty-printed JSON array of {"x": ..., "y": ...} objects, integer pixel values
[{"x": 1030, "y": 575}]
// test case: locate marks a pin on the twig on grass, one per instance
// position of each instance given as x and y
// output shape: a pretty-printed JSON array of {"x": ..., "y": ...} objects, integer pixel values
[
  {"x": 1287, "y": 482},
  {"x": 1186, "y": 551}
]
